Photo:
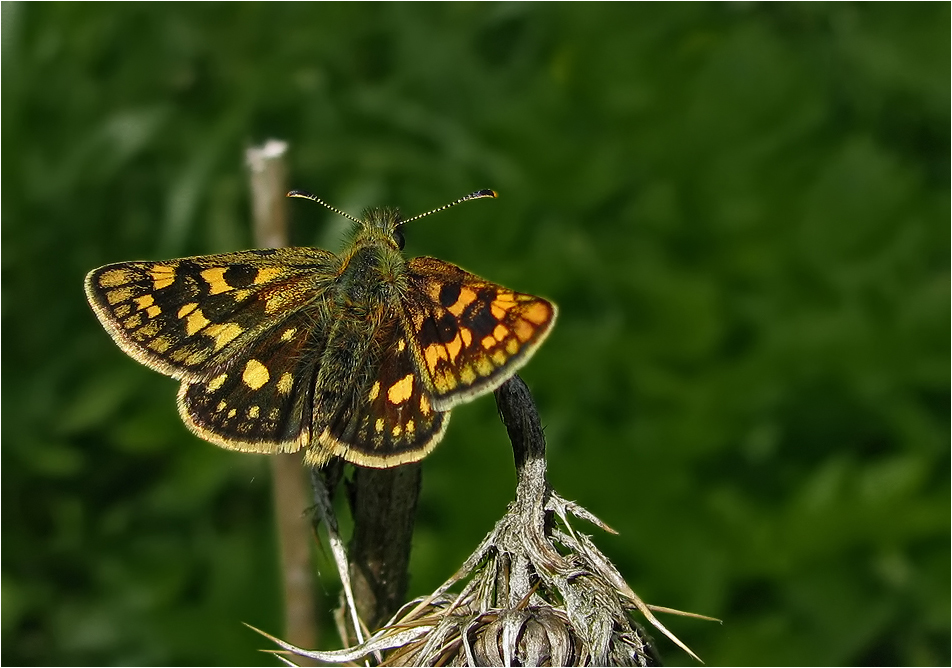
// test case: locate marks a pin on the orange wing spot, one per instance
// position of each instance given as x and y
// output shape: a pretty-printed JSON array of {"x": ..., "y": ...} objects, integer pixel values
[
  {"x": 255, "y": 374},
  {"x": 433, "y": 354},
  {"x": 467, "y": 336},
  {"x": 186, "y": 309},
  {"x": 512, "y": 346},
  {"x": 267, "y": 274},
  {"x": 114, "y": 278},
  {"x": 524, "y": 330},
  {"x": 538, "y": 312},
  {"x": 499, "y": 312},
  {"x": 453, "y": 347},
  {"x": 466, "y": 297},
  {"x": 223, "y": 333},
  {"x": 195, "y": 321},
  {"x": 500, "y": 332},
  {"x": 488, "y": 342},
  {"x": 216, "y": 280},
  {"x": 401, "y": 390},
  {"x": 508, "y": 297}
]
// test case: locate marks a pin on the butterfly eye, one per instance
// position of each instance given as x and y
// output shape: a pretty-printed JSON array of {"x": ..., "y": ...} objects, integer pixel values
[{"x": 398, "y": 237}]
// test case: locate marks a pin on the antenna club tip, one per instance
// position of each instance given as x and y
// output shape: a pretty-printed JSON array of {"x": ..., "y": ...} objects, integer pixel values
[
  {"x": 487, "y": 193},
  {"x": 300, "y": 193}
]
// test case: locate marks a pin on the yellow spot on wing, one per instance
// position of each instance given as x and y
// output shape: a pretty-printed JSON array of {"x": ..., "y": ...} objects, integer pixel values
[
  {"x": 255, "y": 374},
  {"x": 410, "y": 427},
  {"x": 186, "y": 309},
  {"x": 488, "y": 342},
  {"x": 288, "y": 334},
  {"x": 119, "y": 295},
  {"x": 153, "y": 311},
  {"x": 374, "y": 391},
  {"x": 195, "y": 321},
  {"x": 484, "y": 366},
  {"x": 114, "y": 278},
  {"x": 500, "y": 332},
  {"x": 378, "y": 425},
  {"x": 285, "y": 383},
  {"x": 424, "y": 405},
  {"x": 401, "y": 390},
  {"x": 144, "y": 301},
  {"x": 397, "y": 430},
  {"x": 254, "y": 412},
  {"x": 162, "y": 276},
  {"x": 216, "y": 280},
  {"x": 223, "y": 333},
  {"x": 215, "y": 383},
  {"x": 159, "y": 345},
  {"x": 267, "y": 274}
]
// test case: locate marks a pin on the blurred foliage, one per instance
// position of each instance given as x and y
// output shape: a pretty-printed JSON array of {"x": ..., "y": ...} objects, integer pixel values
[{"x": 742, "y": 211}]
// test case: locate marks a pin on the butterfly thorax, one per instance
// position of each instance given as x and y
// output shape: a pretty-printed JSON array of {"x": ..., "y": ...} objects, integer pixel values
[{"x": 373, "y": 275}]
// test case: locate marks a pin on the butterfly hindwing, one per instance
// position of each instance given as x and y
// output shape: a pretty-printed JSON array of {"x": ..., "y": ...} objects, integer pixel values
[
  {"x": 262, "y": 402},
  {"x": 188, "y": 318},
  {"x": 470, "y": 335},
  {"x": 388, "y": 418}
]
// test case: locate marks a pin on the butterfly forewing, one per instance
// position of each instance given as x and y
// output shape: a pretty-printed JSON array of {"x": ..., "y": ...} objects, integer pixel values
[
  {"x": 189, "y": 318},
  {"x": 470, "y": 335},
  {"x": 263, "y": 401}
]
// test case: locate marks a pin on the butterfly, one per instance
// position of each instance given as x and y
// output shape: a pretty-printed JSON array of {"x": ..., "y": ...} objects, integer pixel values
[{"x": 359, "y": 355}]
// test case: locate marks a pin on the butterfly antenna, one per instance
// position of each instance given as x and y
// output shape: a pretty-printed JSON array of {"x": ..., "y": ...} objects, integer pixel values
[
  {"x": 314, "y": 198},
  {"x": 479, "y": 194}
]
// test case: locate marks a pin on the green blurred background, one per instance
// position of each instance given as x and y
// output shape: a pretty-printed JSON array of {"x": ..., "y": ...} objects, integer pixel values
[{"x": 742, "y": 211}]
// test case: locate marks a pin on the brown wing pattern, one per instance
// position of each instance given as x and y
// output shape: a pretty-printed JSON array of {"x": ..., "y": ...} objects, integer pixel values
[
  {"x": 471, "y": 335},
  {"x": 187, "y": 318}
]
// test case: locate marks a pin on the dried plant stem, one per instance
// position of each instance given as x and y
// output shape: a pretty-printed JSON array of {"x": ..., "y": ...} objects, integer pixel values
[{"x": 267, "y": 176}]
